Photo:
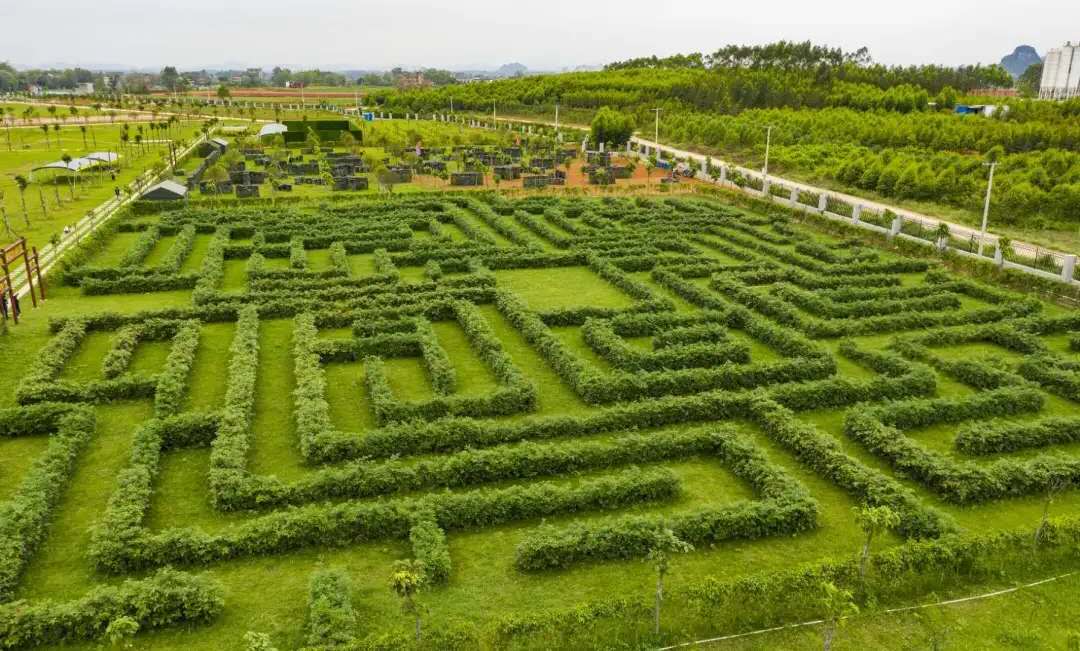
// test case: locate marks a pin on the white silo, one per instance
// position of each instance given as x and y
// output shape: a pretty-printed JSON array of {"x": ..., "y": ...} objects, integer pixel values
[{"x": 1061, "y": 73}]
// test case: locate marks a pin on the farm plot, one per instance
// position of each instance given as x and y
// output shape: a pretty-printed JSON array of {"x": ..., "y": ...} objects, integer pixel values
[{"x": 247, "y": 421}]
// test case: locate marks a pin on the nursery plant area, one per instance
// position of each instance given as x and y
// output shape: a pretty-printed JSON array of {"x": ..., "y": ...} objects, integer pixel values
[{"x": 458, "y": 420}]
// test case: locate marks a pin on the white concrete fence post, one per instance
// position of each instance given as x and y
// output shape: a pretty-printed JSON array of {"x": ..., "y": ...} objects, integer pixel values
[
  {"x": 1068, "y": 266},
  {"x": 723, "y": 175},
  {"x": 897, "y": 223},
  {"x": 794, "y": 195},
  {"x": 765, "y": 187},
  {"x": 823, "y": 202},
  {"x": 856, "y": 213},
  {"x": 999, "y": 256}
]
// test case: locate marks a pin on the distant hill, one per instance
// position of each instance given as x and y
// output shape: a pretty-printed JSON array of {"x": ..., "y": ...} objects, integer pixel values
[
  {"x": 511, "y": 70},
  {"x": 1019, "y": 61}
]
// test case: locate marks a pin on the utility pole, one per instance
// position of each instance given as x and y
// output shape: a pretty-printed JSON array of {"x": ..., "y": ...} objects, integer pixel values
[
  {"x": 768, "y": 141},
  {"x": 656, "y": 132},
  {"x": 986, "y": 206}
]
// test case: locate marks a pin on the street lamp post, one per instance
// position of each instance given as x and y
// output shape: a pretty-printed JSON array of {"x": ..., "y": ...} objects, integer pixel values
[
  {"x": 656, "y": 132},
  {"x": 768, "y": 141},
  {"x": 986, "y": 205}
]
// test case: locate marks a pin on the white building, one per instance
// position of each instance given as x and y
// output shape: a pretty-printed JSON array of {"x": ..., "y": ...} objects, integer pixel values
[{"x": 1061, "y": 73}]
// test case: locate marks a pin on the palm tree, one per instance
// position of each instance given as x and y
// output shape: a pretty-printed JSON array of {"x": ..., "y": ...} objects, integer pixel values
[
  {"x": 3, "y": 215},
  {"x": 942, "y": 235},
  {"x": 10, "y": 118},
  {"x": 52, "y": 111},
  {"x": 21, "y": 181},
  {"x": 56, "y": 130},
  {"x": 45, "y": 130},
  {"x": 67, "y": 161},
  {"x": 82, "y": 127}
]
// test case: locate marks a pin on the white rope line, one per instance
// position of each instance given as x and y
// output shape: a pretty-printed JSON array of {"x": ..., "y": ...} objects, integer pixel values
[{"x": 815, "y": 622}]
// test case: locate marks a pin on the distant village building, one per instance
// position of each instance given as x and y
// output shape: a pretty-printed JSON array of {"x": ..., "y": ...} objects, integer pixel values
[
  {"x": 1061, "y": 73},
  {"x": 413, "y": 80}
]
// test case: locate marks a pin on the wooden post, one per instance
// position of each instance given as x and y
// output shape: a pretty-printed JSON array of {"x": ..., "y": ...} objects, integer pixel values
[
  {"x": 3, "y": 300},
  {"x": 29, "y": 273},
  {"x": 8, "y": 290},
  {"x": 37, "y": 269}
]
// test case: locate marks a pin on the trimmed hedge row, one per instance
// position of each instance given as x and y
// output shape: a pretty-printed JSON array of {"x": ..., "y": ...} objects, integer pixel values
[
  {"x": 440, "y": 369},
  {"x": 179, "y": 251},
  {"x": 141, "y": 248},
  {"x": 785, "y": 508},
  {"x": 120, "y": 544},
  {"x": 824, "y": 455},
  {"x": 879, "y": 429},
  {"x": 1055, "y": 373},
  {"x": 498, "y": 223},
  {"x": 40, "y": 384},
  {"x": 212, "y": 271},
  {"x": 782, "y": 312},
  {"x": 167, "y": 598},
  {"x": 602, "y": 338},
  {"x": 429, "y": 547},
  {"x": 24, "y": 519},
  {"x": 713, "y": 333},
  {"x": 228, "y": 452},
  {"x": 997, "y": 437},
  {"x": 825, "y": 308},
  {"x": 598, "y": 388},
  {"x": 172, "y": 382}
]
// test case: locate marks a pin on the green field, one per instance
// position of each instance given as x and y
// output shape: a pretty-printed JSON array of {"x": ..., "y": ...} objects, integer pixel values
[
  {"x": 523, "y": 395},
  {"x": 51, "y": 200}
]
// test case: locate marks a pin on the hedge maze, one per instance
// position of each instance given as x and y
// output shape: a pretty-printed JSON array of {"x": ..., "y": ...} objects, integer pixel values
[{"x": 518, "y": 394}]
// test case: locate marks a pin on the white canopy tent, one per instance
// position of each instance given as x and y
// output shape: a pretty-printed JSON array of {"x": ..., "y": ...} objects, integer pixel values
[
  {"x": 272, "y": 129},
  {"x": 78, "y": 164}
]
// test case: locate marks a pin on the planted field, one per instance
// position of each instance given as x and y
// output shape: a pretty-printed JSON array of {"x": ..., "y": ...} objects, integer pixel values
[{"x": 237, "y": 421}]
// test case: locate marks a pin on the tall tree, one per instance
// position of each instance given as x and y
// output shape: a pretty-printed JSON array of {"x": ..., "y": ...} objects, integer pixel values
[
  {"x": 1029, "y": 82},
  {"x": 170, "y": 78},
  {"x": 665, "y": 543},
  {"x": 873, "y": 520},
  {"x": 405, "y": 581},
  {"x": 21, "y": 181},
  {"x": 837, "y": 605}
]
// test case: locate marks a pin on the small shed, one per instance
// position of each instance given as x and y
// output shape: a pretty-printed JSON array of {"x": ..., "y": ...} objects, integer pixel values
[{"x": 166, "y": 191}]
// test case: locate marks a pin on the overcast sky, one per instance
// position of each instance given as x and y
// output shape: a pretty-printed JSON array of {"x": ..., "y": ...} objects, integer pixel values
[{"x": 550, "y": 34}]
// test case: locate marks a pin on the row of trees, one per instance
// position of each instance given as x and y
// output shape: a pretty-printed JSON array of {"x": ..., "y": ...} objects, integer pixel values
[
  {"x": 14, "y": 80},
  {"x": 826, "y": 65},
  {"x": 936, "y": 132},
  {"x": 1030, "y": 189}
]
